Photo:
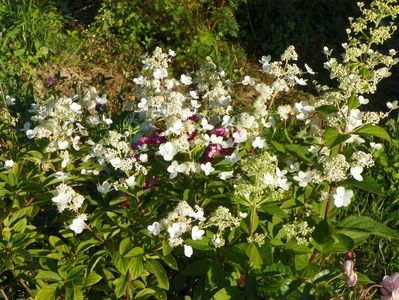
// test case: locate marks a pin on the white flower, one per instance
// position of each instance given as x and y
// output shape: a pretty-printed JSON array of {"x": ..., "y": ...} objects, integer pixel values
[
  {"x": 393, "y": 105},
  {"x": 240, "y": 136},
  {"x": 62, "y": 145},
  {"x": 258, "y": 143},
  {"x": 363, "y": 100},
  {"x": 160, "y": 73},
  {"x": 193, "y": 94},
  {"x": 78, "y": 224},
  {"x": 303, "y": 178},
  {"x": 269, "y": 179},
  {"x": 265, "y": 61},
  {"x": 138, "y": 80},
  {"x": 171, "y": 53},
  {"x": 225, "y": 175},
  {"x": 104, "y": 188},
  {"x": 115, "y": 162},
  {"x": 188, "y": 250},
  {"x": 186, "y": 80},
  {"x": 175, "y": 230},
  {"x": 10, "y": 101},
  {"x": 155, "y": 228},
  {"x": 75, "y": 107},
  {"x": 309, "y": 70},
  {"x": 131, "y": 181},
  {"x": 207, "y": 168},
  {"x": 376, "y": 146},
  {"x": 76, "y": 143},
  {"x": 8, "y": 164},
  {"x": 177, "y": 127},
  {"x": 304, "y": 109},
  {"x": 206, "y": 125},
  {"x": 356, "y": 172},
  {"x": 176, "y": 168},
  {"x": 196, "y": 233},
  {"x": 248, "y": 81},
  {"x": 342, "y": 197},
  {"x": 243, "y": 214},
  {"x": 167, "y": 151},
  {"x": 300, "y": 81},
  {"x": 143, "y": 157}
]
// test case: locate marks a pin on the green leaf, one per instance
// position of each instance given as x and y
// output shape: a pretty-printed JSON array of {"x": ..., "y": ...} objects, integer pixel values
[
  {"x": 120, "y": 285},
  {"x": 198, "y": 268},
  {"x": 47, "y": 292},
  {"x": 299, "y": 150},
  {"x": 367, "y": 184},
  {"x": 279, "y": 147},
  {"x": 124, "y": 246},
  {"x": 254, "y": 256},
  {"x": 77, "y": 293},
  {"x": 170, "y": 261},
  {"x": 48, "y": 276},
  {"x": 92, "y": 279},
  {"x": 159, "y": 272},
  {"x": 135, "y": 267},
  {"x": 136, "y": 251},
  {"x": 229, "y": 292},
  {"x": 366, "y": 224},
  {"x": 20, "y": 225},
  {"x": 121, "y": 263},
  {"x": 144, "y": 293},
  {"x": 334, "y": 138},
  {"x": 75, "y": 272},
  {"x": 373, "y": 130},
  {"x": 327, "y": 109}
]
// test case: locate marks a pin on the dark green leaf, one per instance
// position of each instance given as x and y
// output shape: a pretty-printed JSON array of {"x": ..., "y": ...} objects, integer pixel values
[
  {"x": 366, "y": 224},
  {"x": 158, "y": 270}
]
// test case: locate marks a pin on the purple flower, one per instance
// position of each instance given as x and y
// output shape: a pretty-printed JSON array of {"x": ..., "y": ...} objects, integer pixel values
[
  {"x": 100, "y": 107},
  {"x": 52, "y": 80}
]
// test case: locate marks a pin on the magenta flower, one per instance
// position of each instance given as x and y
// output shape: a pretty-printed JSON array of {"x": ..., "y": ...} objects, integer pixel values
[
  {"x": 212, "y": 151},
  {"x": 219, "y": 131}
]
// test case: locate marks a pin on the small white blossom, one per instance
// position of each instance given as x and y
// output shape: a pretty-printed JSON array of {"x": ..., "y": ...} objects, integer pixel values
[
  {"x": 376, "y": 146},
  {"x": 356, "y": 172},
  {"x": 78, "y": 224},
  {"x": 186, "y": 80},
  {"x": 155, "y": 228},
  {"x": 309, "y": 70},
  {"x": 258, "y": 143},
  {"x": 104, "y": 188},
  {"x": 248, "y": 81},
  {"x": 188, "y": 250},
  {"x": 8, "y": 164},
  {"x": 225, "y": 175},
  {"x": 342, "y": 197},
  {"x": 62, "y": 145},
  {"x": 115, "y": 162},
  {"x": 196, "y": 233},
  {"x": 243, "y": 214},
  {"x": 393, "y": 105},
  {"x": 207, "y": 168},
  {"x": 363, "y": 100},
  {"x": 303, "y": 178},
  {"x": 167, "y": 151}
]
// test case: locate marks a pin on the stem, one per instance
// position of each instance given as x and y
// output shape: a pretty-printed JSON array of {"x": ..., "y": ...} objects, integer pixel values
[
  {"x": 23, "y": 284},
  {"x": 328, "y": 206},
  {"x": 96, "y": 236},
  {"x": 3, "y": 294}
]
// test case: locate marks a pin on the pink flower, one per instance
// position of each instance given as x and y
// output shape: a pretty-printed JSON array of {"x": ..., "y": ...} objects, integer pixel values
[
  {"x": 349, "y": 269},
  {"x": 390, "y": 287},
  {"x": 212, "y": 151},
  {"x": 219, "y": 131}
]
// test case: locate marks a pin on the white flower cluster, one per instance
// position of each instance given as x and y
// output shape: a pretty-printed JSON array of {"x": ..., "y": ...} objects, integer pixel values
[
  {"x": 67, "y": 198},
  {"x": 60, "y": 120},
  {"x": 179, "y": 222},
  {"x": 300, "y": 231}
]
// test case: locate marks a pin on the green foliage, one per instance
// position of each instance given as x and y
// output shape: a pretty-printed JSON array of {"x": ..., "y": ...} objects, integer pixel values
[{"x": 194, "y": 29}]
